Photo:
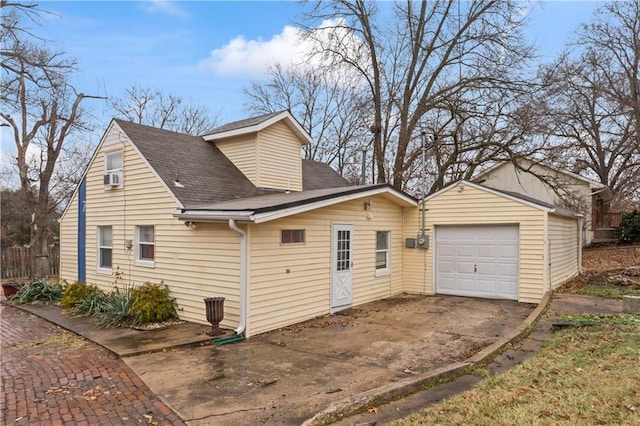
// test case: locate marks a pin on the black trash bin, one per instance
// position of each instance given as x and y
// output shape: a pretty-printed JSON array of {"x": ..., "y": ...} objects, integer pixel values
[{"x": 215, "y": 313}]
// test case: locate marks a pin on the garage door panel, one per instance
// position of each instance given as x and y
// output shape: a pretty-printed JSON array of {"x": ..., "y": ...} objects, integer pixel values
[
  {"x": 465, "y": 284},
  {"x": 507, "y": 270},
  {"x": 507, "y": 251},
  {"x": 465, "y": 250},
  {"x": 477, "y": 261},
  {"x": 486, "y": 251},
  {"x": 447, "y": 267},
  {"x": 447, "y": 283},
  {"x": 484, "y": 268},
  {"x": 506, "y": 287},
  {"x": 487, "y": 287},
  {"x": 447, "y": 249},
  {"x": 464, "y": 267}
]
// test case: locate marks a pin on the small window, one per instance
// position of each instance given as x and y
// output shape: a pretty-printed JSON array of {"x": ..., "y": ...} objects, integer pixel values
[
  {"x": 113, "y": 170},
  {"x": 113, "y": 162},
  {"x": 292, "y": 236},
  {"x": 383, "y": 263},
  {"x": 105, "y": 248},
  {"x": 145, "y": 252}
]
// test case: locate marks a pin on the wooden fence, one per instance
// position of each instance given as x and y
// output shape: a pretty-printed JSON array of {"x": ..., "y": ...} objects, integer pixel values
[{"x": 16, "y": 262}]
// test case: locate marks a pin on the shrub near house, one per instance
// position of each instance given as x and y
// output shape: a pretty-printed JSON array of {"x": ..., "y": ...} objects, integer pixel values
[
  {"x": 126, "y": 305},
  {"x": 629, "y": 230}
]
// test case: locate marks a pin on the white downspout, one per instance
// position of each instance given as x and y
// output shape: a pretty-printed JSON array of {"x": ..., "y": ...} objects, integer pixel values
[{"x": 243, "y": 276}]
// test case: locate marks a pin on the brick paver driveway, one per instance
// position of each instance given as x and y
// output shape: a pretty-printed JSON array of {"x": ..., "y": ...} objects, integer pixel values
[{"x": 53, "y": 377}]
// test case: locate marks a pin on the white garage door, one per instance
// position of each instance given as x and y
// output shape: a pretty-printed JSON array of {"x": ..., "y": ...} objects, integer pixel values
[{"x": 477, "y": 261}]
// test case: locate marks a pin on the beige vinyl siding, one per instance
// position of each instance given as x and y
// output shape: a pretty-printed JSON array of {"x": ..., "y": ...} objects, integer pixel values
[
  {"x": 194, "y": 263},
  {"x": 69, "y": 242},
  {"x": 563, "y": 249},
  {"x": 474, "y": 206},
  {"x": 242, "y": 151},
  {"x": 279, "y": 165},
  {"x": 279, "y": 298},
  {"x": 414, "y": 266}
]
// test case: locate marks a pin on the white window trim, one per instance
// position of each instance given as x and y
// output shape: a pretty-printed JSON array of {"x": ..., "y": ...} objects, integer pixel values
[
  {"x": 101, "y": 269},
  {"x": 110, "y": 153},
  {"x": 136, "y": 256},
  {"x": 119, "y": 170},
  {"x": 387, "y": 270}
]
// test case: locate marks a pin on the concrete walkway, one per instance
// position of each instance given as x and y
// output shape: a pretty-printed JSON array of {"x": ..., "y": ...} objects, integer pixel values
[
  {"x": 124, "y": 342},
  {"x": 332, "y": 366}
]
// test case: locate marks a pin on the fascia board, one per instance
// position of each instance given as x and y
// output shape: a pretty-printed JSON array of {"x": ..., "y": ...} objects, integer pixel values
[
  {"x": 302, "y": 134},
  {"x": 278, "y": 214}
]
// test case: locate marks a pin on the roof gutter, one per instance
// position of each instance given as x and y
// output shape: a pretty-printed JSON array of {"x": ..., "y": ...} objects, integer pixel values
[
  {"x": 564, "y": 213},
  {"x": 214, "y": 216},
  {"x": 243, "y": 276}
]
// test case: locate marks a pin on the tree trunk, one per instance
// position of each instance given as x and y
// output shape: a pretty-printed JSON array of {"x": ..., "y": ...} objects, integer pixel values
[{"x": 40, "y": 242}]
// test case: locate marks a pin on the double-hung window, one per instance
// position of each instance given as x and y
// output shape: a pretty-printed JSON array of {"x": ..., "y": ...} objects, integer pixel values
[
  {"x": 145, "y": 248},
  {"x": 105, "y": 249},
  {"x": 383, "y": 252}
]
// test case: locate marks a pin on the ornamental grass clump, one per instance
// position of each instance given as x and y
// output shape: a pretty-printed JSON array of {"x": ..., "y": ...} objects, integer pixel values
[
  {"x": 115, "y": 309},
  {"x": 39, "y": 291},
  {"x": 90, "y": 304},
  {"x": 152, "y": 303}
]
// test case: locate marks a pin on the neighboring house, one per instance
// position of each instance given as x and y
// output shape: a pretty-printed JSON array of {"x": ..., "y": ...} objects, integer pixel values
[
  {"x": 561, "y": 188},
  {"x": 236, "y": 213}
]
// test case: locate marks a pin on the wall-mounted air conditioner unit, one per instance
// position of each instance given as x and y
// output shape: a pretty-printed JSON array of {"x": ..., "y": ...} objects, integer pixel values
[{"x": 112, "y": 180}]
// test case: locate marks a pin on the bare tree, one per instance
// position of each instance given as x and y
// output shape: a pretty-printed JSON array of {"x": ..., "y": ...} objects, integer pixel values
[
  {"x": 153, "y": 107},
  {"x": 493, "y": 126},
  {"x": 42, "y": 110},
  {"x": 328, "y": 105},
  {"x": 417, "y": 62},
  {"x": 592, "y": 103}
]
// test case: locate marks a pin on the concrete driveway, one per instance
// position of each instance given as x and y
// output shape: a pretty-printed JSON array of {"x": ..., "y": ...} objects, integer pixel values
[{"x": 287, "y": 376}]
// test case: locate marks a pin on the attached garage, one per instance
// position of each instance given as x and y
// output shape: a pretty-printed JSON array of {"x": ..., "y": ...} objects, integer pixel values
[{"x": 492, "y": 244}]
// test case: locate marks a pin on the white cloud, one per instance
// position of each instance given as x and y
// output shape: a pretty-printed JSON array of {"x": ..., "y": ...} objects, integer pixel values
[
  {"x": 164, "y": 7},
  {"x": 251, "y": 58}
]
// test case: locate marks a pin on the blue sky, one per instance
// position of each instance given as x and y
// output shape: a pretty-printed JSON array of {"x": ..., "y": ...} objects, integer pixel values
[{"x": 207, "y": 51}]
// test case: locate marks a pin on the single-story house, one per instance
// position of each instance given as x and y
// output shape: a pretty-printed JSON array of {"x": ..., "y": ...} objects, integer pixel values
[
  {"x": 237, "y": 213},
  {"x": 558, "y": 187}
]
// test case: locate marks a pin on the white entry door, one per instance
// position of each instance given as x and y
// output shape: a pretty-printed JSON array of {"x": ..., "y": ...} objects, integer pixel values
[
  {"x": 341, "y": 264},
  {"x": 477, "y": 261}
]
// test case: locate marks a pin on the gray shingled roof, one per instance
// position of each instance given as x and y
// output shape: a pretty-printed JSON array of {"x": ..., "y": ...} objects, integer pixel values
[
  {"x": 240, "y": 124},
  {"x": 286, "y": 199},
  {"x": 558, "y": 209},
  {"x": 317, "y": 175},
  {"x": 205, "y": 175}
]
